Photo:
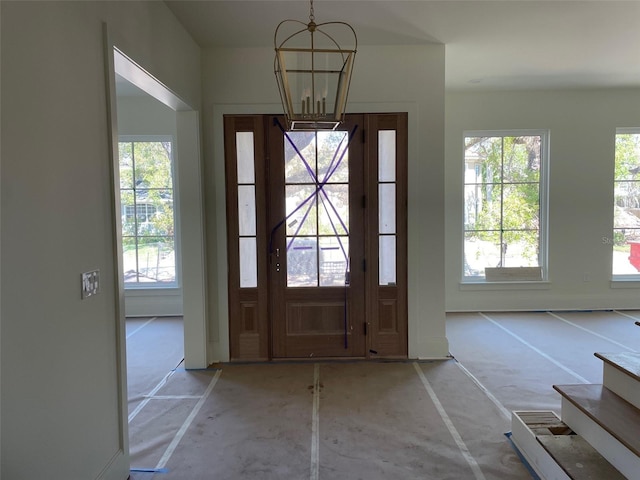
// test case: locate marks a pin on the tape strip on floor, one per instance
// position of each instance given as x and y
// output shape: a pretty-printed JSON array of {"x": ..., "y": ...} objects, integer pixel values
[
  {"x": 183, "y": 429},
  {"x": 141, "y": 327},
  {"x": 537, "y": 350},
  {"x": 450, "y": 426},
  {"x": 501, "y": 408},
  {"x": 584, "y": 329}
]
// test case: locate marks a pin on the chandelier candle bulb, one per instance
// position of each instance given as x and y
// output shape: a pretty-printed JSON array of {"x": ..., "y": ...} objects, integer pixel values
[{"x": 324, "y": 106}]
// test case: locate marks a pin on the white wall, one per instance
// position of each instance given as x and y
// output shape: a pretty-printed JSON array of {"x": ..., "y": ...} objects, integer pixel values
[
  {"x": 582, "y": 126},
  {"x": 140, "y": 116},
  {"x": 397, "y": 78},
  {"x": 61, "y": 411}
]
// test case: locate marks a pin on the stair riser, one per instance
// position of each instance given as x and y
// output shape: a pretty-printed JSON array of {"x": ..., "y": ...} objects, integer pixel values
[
  {"x": 615, "y": 452},
  {"x": 621, "y": 384}
]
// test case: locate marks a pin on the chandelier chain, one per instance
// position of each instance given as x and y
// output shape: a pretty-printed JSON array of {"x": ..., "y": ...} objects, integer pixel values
[{"x": 312, "y": 17}]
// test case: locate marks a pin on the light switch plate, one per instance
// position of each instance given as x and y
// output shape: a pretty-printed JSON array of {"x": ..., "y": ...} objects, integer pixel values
[{"x": 90, "y": 283}]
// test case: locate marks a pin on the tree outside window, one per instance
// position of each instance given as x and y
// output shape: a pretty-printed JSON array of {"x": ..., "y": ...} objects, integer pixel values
[
  {"x": 502, "y": 201},
  {"x": 147, "y": 213}
]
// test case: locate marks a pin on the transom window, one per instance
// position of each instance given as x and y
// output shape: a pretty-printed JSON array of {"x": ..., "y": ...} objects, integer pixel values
[
  {"x": 626, "y": 210},
  {"x": 147, "y": 212},
  {"x": 504, "y": 208}
]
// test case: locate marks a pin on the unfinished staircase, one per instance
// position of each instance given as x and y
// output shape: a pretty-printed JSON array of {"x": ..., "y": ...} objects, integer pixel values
[{"x": 598, "y": 436}]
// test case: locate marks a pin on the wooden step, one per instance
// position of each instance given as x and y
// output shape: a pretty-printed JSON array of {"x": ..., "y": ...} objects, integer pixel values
[
  {"x": 605, "y": 420},
  {"x": 525, "y": 428},
  {"x": 578, "y": 459},
  {"x": 621, "y": 375},
  {"x": 554, "y": 451}
]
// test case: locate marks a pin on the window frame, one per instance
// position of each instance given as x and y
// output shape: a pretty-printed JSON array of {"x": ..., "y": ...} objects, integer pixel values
[
  {"x": 176, "y": 284},
  {"x": 545, "y": 141},
  {"x": 621, "y": 277}
]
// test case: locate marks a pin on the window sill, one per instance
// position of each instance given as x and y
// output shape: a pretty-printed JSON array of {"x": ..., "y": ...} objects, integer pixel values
[
  {"x": 629, "y": 282},
  {"x": 164, "y": 290},
  {"x": 492, "y": 286}
]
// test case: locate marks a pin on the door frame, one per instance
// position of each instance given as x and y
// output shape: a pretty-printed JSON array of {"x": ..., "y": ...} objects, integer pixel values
[{"x": 388, "y": 340}]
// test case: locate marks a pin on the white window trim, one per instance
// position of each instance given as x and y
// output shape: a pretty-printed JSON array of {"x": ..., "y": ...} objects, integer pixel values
[
  {"x": 169, "y": 286},
  {"x": 545, "y": 135}
]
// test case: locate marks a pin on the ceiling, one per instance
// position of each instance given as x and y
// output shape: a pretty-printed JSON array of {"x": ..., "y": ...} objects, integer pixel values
[{"x": 507, "y": 44}]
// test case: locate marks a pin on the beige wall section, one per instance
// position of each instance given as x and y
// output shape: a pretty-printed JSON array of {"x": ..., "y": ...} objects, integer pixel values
[
  {"x": 582, "y": 126},
  {"x": 248, "y": 86},
  {"x": 60, "y": 411}
]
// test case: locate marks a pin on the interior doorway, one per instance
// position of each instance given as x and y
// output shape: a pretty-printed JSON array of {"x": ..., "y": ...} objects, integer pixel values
[
  {"x": 317, "y": 238},
  {"x": 188, "y": 324},
  {"x": 188, "y": 246}
]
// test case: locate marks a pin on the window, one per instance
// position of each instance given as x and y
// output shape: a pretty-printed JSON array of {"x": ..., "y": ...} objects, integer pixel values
[
  {"x": 626, "y": 209},
  {"x": 504, "y": 208},
  {"x": 147, "y": 212}
]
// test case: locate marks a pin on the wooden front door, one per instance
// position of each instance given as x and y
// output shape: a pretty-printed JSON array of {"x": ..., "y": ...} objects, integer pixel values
[
  {"x": 317, "y": 238},
  {"x": 316, "y": 216}
]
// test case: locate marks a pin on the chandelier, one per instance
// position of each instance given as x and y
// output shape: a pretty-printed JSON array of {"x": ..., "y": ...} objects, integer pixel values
[{"x": 313, "y": 72}]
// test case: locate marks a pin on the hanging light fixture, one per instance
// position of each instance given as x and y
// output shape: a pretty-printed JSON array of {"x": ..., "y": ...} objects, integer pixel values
[{"x": 313, "y": 72}]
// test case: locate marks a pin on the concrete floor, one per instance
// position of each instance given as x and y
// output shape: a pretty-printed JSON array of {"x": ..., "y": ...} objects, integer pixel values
[{"x": 357, "y": 420}]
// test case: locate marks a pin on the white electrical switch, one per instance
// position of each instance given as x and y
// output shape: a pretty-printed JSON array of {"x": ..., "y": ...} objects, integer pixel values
[{"x": 90, "y": 283}]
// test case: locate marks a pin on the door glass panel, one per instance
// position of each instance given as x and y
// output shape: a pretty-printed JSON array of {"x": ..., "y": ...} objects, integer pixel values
[
  {"x": 299, "y": 157},
  {"x": 246, "y": 210},
  {"x": 333, "y": 210},
  {"x": 302, "y": 262},
  {"x": 387, "y": 259},
  {"x": 387, "y": 207},
  {"x": 334, "y": 252},
  {"x": 331, "y": 147},
  {"x": 301, "y": 210},
  {"x": 245, "y": 160},
  {"x": 387, "y": 156},
  {"x": 248, "y": 263}
]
